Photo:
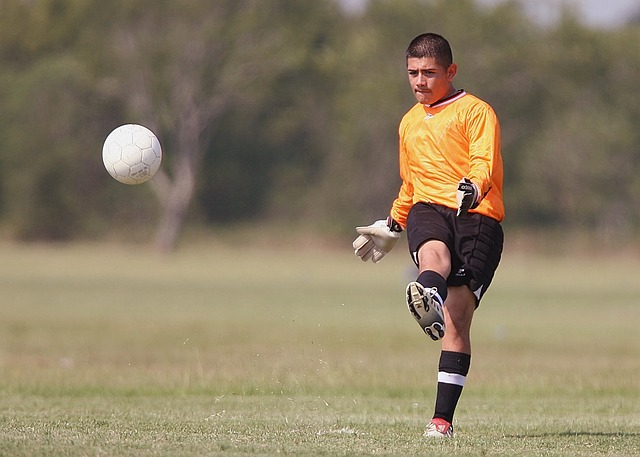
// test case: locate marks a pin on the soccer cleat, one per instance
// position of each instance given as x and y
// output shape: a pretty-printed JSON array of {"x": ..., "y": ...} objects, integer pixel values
[
  {"x": 426, "y": 309},
  {"x": 439, "y": 428}
]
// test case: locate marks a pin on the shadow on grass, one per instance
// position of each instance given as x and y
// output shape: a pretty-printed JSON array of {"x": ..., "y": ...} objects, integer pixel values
[{"x": 576, "y": 434}]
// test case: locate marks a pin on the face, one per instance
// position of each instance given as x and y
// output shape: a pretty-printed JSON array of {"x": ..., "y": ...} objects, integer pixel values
[{"x": 429, "y": 81}]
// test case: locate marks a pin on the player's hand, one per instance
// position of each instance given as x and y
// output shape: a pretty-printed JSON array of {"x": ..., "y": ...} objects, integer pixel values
[
  {"x": 467, "y": 195},
  {"x": 375, "y": 241}
]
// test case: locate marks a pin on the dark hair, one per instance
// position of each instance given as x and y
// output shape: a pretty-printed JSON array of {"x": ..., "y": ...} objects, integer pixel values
[{"x": 431, "y": 45}]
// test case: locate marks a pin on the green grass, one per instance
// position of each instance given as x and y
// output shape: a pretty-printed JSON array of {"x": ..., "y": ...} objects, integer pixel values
[{"x": 227, "y": 350}]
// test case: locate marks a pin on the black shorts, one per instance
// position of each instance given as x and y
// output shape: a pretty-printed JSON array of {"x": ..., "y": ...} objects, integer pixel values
[{"x": 474, "y": 241}]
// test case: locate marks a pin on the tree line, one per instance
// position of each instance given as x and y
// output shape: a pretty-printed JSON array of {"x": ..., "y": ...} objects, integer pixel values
[{"x": 286, "y": 112}]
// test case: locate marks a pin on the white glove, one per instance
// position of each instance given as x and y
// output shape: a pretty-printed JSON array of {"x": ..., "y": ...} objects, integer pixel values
[
  {"x": 375, "y": 241},
  {"x": 467, "y": 196}
]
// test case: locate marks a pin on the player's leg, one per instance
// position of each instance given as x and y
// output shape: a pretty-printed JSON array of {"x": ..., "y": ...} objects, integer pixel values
[
  {"x": 479, "y": 243},
  {"x": 429, "y": 235},
  {"x": 434, "y": 255},
  {"x": 426, "y": 295},
  {"x": 458, "y": 313},
  {"x": 455, "y": 359}
]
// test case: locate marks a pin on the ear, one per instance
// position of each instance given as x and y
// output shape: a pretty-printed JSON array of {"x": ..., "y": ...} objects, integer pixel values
[{"x": 451, "y": 71}]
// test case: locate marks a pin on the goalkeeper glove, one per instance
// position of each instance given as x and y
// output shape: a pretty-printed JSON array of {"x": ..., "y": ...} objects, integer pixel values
[
  {"x": 377, "y": 239},
  {"x": 467, "y": 195}
]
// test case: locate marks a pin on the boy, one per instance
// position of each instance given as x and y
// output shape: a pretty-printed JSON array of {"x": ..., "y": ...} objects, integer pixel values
[{"x": 450, "y": 204}]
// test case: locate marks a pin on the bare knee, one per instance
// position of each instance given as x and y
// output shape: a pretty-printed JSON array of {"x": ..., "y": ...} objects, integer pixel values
[{"x": 434, "y": 255}]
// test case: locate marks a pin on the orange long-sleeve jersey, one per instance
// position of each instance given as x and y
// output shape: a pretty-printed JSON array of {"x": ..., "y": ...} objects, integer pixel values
[{"x": 442, "y": 143}]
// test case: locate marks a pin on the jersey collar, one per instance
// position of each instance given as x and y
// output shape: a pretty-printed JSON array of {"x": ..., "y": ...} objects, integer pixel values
[{"x": 447, "y": 100}]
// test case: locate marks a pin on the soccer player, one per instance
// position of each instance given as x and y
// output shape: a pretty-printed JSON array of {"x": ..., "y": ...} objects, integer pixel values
[{"x": 450, "y": 204}]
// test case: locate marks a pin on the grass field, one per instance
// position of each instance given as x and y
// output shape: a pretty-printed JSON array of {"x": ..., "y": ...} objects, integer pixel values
[{"x": 227, "y": 350}]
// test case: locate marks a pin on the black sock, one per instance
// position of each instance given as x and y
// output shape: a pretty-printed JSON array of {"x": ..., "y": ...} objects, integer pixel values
[
  {"x": 430, "y": 278},
  {"x": 452, "y": 374}
]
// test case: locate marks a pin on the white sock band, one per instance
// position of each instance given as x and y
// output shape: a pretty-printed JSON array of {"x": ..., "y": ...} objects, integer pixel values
[{"x": 450, "y": 378}]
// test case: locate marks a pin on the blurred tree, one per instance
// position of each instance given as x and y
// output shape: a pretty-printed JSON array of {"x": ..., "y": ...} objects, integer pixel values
[
  {"x": 581, "y": 167},
  {"x": 184, "y": 69},
  {"x": 269, "y": 154},
  {"x": 288, "y": 111},
  {"x": 46, "y": 124}
]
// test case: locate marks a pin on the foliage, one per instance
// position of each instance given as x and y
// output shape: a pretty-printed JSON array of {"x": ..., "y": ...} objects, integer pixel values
[{"x": 287, "y": 111}]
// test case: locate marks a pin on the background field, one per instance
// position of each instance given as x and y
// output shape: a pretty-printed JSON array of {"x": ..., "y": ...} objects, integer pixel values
[{"x": 230, "y": 350}]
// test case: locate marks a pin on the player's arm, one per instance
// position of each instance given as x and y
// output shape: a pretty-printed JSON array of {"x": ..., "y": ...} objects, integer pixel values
[
  {"x": 484, "y": 147},
  {"x": 403, "y": 203}
]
